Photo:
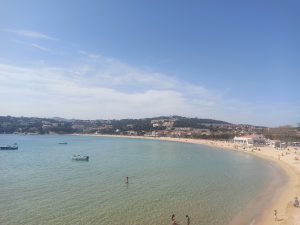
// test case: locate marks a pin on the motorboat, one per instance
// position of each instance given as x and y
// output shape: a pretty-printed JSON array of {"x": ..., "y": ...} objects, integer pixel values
[
  {"x": 80, "y": 158},
  {"x": 9, "y": 147}
]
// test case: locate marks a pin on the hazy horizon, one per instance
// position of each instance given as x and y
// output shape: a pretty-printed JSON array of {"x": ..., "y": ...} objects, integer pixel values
[{"x": 234, "y": 61}]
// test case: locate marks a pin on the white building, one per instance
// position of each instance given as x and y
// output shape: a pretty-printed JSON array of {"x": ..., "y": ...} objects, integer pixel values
[
  {"x": 253, "y": 139},
  {"x": 275, "y": 143},
  {"x": 243, "y": 140}
]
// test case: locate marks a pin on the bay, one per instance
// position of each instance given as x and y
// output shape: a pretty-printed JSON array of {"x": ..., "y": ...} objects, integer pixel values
[{"x": 40, "y": 184}]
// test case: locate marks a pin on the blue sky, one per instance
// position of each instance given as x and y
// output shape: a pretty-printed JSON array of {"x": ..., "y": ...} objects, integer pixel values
[{"x": 237, "y": 61}]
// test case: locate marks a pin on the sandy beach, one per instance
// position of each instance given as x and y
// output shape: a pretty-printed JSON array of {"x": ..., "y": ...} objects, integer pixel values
[{"x": 281, "y": 199}]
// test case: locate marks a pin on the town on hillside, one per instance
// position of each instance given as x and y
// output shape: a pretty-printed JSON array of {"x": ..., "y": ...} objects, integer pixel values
[{"x": 167, "y": 126}]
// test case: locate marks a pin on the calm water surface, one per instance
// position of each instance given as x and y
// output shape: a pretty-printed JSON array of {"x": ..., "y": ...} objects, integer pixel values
[{"x": 41, "y": 185}]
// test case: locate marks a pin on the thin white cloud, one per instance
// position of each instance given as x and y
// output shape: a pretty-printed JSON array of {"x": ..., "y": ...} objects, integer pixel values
[
  {"x": 39, "y": 47},
  {"x": 33, "y": 45},
  {"x": 117, "y": 73},
  {"x": 31, "y": 34},
  {"x": 89, "y": 55}
]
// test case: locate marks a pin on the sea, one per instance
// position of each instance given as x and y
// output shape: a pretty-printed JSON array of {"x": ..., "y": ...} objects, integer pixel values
[{"x": 40, "y": 184}]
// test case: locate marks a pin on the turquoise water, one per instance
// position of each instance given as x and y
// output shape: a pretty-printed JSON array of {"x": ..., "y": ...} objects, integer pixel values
[{"x": 41, "y": 185}]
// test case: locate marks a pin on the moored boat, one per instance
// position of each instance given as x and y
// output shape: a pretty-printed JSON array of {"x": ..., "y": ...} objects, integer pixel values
[
  {"x": 9, "y": 147},
  {"x": 80, "y": 158}
]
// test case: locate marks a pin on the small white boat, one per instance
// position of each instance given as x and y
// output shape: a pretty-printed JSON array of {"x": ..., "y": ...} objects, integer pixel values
[
  {"x": 9, "y": 147},
  {"x": 80, "y": 158}
]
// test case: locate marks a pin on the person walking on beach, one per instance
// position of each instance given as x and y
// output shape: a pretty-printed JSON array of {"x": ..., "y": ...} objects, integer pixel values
[
  {"x": 188, "y": 220},
  {"x": 275, "y": 215},
  {"x": 173, "y": 220},
  {"x": 296, "y": 202}
]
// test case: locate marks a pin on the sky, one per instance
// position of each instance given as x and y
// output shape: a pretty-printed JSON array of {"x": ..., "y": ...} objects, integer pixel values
[{"x": 237, "y": 61}]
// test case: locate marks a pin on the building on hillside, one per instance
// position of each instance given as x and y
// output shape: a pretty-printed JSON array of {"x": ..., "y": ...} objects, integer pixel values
[
  {"x": 156, "y": 125},
  {"x": 201, "y": 132},
  {"x": 168, "y": 124},
  {"x": 163, "y": 123},
  {"x": 183, "y": 129}
]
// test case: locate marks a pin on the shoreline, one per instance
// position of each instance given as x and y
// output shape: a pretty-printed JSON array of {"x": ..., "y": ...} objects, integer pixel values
[{"x": 280, "y": 199}]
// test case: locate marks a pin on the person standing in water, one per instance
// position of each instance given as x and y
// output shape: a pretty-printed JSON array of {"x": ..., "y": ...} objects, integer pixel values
[
  {"x": 188, "y": 220},
  {"x": 173, "y": 220},
  {"x": 127, "y": 180}
]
